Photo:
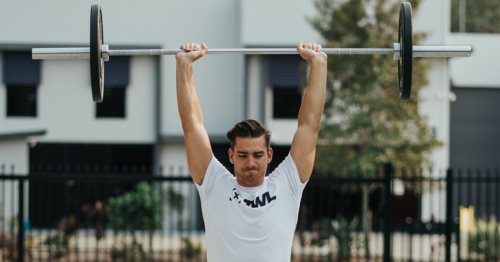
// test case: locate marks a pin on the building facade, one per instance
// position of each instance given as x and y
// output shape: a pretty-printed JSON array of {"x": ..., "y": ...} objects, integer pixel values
[{"x": 59, "y": 128}]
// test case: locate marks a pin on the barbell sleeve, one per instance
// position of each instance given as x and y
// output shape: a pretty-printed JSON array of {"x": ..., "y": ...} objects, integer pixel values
[{"x": 418, "y": 51}]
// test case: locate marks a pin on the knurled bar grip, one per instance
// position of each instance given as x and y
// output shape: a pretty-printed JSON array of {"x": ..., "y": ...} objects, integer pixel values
[{"x": 418, "y": 51}]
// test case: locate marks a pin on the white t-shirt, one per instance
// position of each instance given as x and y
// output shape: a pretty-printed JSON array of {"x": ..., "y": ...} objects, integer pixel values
[{"x": 250, "y": 223}]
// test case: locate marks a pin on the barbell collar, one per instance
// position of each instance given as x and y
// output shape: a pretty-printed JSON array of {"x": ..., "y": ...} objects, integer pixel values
[
  {"x": 418, "y": 51},
  {"x": 105, "y": 52}
]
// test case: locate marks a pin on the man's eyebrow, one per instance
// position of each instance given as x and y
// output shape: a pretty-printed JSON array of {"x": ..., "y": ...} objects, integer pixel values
[{"x": 244, "y": 152}]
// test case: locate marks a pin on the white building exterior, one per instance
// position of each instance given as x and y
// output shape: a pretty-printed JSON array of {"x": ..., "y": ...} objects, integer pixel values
[{"x": 231, "y": 88}]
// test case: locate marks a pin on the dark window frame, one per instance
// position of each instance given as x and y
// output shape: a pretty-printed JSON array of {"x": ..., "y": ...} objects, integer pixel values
[
  {"x": 103, "y": 110},
  {"x": 16, "y": 111},
  {"x": 292, "y": 109}
]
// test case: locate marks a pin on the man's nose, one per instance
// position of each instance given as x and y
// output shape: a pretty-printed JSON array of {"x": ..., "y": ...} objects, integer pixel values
[{"x": 250, "y": 162}]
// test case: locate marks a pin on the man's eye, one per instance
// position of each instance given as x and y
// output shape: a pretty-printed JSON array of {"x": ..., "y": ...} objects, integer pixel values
[
  {"x": 242, "y": 155},
  {"x": 258, "y": 155}
]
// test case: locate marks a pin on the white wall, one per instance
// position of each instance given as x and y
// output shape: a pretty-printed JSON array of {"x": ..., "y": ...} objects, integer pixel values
[
  {"x": 174, "y": 160},
  {"x": 14, "y": 152},
  {"x": 433, "y": 18},
  {"x": 14, "y": 157},
  {"x": 67, "y": 112},
  {"x": 434, "y": 104},
  {"x": 482, "y": 69},
  {"x": 163, "y": 23},
  {"x": 277, "y": 23},
  {"x": 219, "y": 79}
]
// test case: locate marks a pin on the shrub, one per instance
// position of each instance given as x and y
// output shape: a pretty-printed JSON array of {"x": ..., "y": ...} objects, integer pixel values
[{"x": 484, "y": 239}]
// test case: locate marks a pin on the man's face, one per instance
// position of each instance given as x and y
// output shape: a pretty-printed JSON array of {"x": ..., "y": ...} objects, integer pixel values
[{"x": 250, "y": 158}]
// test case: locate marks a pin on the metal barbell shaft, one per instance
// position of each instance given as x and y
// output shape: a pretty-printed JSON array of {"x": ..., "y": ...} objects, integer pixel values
[
  {"x": 254, "y": 51},
  {"x": 418, "y": 51}
]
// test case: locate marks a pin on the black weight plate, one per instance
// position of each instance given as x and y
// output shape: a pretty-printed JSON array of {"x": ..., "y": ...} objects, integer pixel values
[
  {"x": 96, "y": 61},
  {"x": 405, "y": 39}
]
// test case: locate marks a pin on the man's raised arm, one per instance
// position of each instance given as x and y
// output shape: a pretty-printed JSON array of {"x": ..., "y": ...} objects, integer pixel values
[
  {"x": 303, "y": 148},
  {"x": 199, "y": 151}
]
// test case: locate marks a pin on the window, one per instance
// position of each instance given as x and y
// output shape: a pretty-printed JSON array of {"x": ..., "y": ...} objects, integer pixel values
[
  {"x": 286, "y": 73},
  {"x": 21, "y": 100},
  {"x": 113, "y": 104},
  {"x": 21, "y": 75},
  {"x": 475, "y": 16},
  {"x": 116, "y": 80},
  {"x": 286, "y": 102}
]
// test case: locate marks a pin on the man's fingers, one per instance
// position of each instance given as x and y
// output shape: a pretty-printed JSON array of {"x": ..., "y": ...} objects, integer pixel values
[
  {"x": 204, "y": 47},
  {"x": 299, "y": 46},
  {"x": 197, "y": 47},
  {"x": 314, "y": 46},
  {"x": 318, "y": 48}
]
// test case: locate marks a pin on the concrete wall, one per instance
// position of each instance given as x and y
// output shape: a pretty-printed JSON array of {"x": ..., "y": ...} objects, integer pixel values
[
  {"x": 277, "y": 23},
  {"x": 482, "y": 69},
  {"x": 14, "y": 153},
  {"x": 162, "y": 23},
  {"x": 66, "y": 110},
  {"x": 433, "y": 18},
  {"x": 223, "y": 82}
]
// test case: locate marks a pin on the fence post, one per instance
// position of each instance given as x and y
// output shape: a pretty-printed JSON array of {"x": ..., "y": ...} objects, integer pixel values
[
  {"x": 20, "y": 222},
  {"x": 387, "y": 212},
  {"x": 449, "y": 218}
]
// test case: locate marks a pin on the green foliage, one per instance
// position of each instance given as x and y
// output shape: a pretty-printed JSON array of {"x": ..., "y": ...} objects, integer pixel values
[
  {"x": 484, "y": 239},
  {"x": 188, "y": 249},
  {"x": 343, "y": 231},
  {"x": 9, "y": 247},
  {"x": 481, "y": 16},
  {"x": 365, "y": 123},
  {"x": 130, "y": 251},
  {"x": 175, "y": 199},
  {"x": 58, "y": 246},
  {"x": 138, "y": 209}
]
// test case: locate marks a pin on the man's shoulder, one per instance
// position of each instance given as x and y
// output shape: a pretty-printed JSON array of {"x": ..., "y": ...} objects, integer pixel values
[{"x": 285, "y": 166}]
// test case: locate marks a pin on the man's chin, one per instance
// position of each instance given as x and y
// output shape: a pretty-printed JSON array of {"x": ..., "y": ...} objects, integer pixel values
[{"x": 251, "y": 179}]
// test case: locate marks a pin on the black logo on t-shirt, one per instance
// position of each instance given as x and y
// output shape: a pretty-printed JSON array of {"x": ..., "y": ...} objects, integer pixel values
[
  {"x": 236, "y": 196},
  {"x": 266, "y": 197}
]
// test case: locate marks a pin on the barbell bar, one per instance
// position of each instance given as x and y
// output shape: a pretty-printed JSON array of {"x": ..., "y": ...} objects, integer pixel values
[
  {"x": 84, "y": 52},
  {"x": 98, "y": 52}
]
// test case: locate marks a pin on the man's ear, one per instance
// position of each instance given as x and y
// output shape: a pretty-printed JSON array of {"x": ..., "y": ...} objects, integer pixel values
[
  {"x": 269, "y": 155},
  {"x": 231, "y": 155}
]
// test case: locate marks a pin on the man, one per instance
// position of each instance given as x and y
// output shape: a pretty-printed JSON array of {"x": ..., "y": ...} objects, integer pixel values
[{"x": 250, "y": 217}]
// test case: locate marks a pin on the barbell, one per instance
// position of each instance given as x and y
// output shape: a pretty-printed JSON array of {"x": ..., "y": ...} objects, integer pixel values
[{"x": 403, "y": 51}]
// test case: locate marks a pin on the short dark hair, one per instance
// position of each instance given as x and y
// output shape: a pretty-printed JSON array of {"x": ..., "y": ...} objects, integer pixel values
[{"x": 249, "y": 128}]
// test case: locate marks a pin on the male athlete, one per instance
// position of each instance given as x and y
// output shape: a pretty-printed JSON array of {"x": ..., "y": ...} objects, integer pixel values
[{"x": 250, "y": 217}]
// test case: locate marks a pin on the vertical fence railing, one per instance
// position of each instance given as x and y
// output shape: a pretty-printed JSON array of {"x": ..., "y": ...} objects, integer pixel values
[
  {"x": 449, "y": 219},
  {"x": 387, "y": 212},
  {"x": 20, "y": 222},
  {"x": 400, "y": 231}
]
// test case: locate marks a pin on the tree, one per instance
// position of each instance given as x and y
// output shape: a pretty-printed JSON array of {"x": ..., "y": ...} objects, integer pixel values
[
  {"x": 481, "y": 16},
  {"x": 365, "y": 123},
  {"x": 138, "y": 209}
]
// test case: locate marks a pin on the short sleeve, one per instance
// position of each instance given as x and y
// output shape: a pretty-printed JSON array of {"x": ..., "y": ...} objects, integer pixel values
[
  {"x": 215, "y": 170},
  {"x": 287, "y": 171}
]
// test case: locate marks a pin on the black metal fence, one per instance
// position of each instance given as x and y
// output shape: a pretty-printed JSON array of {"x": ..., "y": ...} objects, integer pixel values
[{"x": 343, "y": 216}]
